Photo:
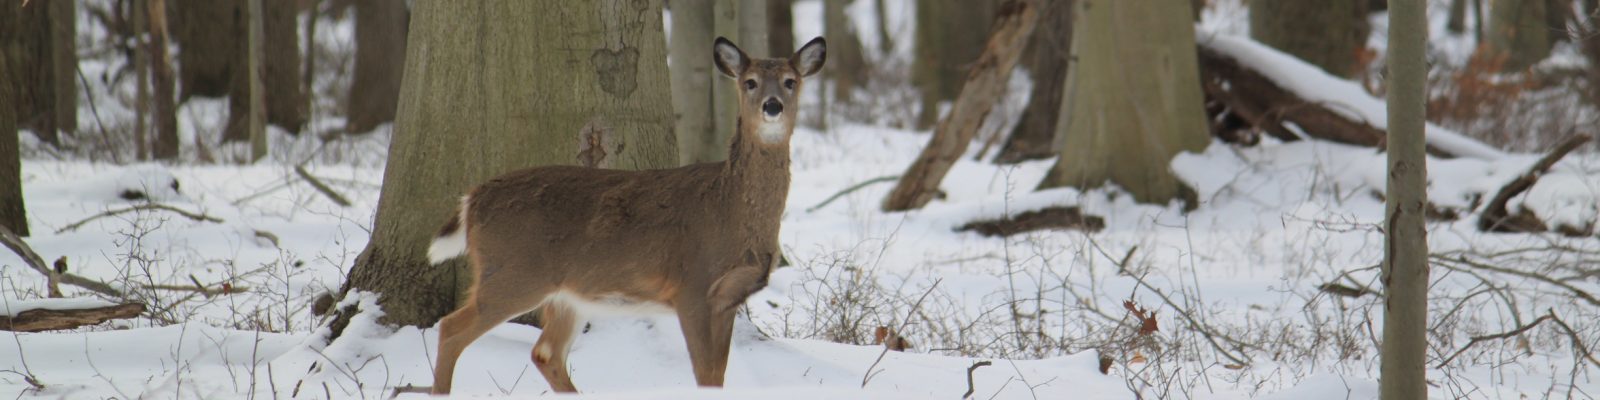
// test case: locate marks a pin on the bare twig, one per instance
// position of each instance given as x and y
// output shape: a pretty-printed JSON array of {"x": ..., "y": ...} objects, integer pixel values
[
  {"x": 33, "y": 260},
  {"x": 970, "y": 369},
  {"x": 1538, "y": 277},
  {"x": 852, "y": 189},
  {"x": 321, "y": 187},
  {"x": 868, "y": 375},
  {"x": 141, "y": 207}
]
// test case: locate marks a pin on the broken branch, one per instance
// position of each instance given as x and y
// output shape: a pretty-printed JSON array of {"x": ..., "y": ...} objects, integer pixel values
[
  {"x": 48, "y": 320},
  {"x": 1495, "y": 217},
  {"x": 15, "y": 243},
  {"x": 141, "y": 207}
]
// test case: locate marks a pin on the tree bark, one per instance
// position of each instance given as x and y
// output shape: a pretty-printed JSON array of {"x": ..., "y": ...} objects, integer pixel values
[
  {"x": 141, "y": 74},
  {"x": 943, "y": 53},
  {"x": 39, "y": 38},
  {"x": 209, "y": 34},
  {"x": 1135, "y": 100},
  {"x": 846, "y": 65},
  {"x": 473, "y": 107},
  {"x": 1326, "y": 33},
  {"x": 286, "y": 104},
  {"x": 780, "y": 20},
  {"x": 166, "y": 110},
  {"x": 692, "y": 82},
  {"x": 1456, "y": 23},
  {"x": 258, "y": 109},
  {"x": 724, "y": 98},
  {"x": 1047, "y": 53},
  {"x": 984, "y": 87},
  {"x": 1518, "y": 32},
  {"x": 1402, "y": 372},
  {"x": 13, "y": 215},
  {"x": 380, "y": 58}
]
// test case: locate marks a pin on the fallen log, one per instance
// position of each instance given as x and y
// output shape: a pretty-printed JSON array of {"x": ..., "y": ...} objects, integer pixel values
[
  {"x": 1047, "y": 218},
  {"x": 985, "y": 84},
  {"x": 1235, "y": 91},
  {"x": 41, "y": 319},
  {"x": 1496, "y": 218}
]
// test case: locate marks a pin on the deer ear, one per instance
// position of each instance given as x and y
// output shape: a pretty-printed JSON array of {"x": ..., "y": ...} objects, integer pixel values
[
  {"x": 729, "y": 59},
  {"x": 808, "y": 60}
]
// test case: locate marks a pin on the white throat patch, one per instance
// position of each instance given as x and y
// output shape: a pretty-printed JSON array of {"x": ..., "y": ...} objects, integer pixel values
[{"x": 771, "y": 131}]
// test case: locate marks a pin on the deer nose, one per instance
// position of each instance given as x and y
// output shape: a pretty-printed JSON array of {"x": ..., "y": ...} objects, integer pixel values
[{"x": 772, "y": 107}]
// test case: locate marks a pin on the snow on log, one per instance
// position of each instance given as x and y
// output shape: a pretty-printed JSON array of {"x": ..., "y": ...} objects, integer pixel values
[
  {"x": 1272, "y": 90},
  {"x": 1495, "y": 216},
  {"x": 56, "y": 314}
]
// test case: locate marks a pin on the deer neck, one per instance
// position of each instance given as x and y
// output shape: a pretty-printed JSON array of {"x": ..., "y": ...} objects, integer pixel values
[{"x": 757, "y": 173}]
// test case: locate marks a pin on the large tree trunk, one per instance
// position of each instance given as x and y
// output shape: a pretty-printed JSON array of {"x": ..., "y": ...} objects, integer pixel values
[
  {"x": 166, "y": 109},
  {"x": 1456, "y": 23},
  {"x": 1326, "y": 33},
  {"x": 1047, "y": 53},
  {"x": 692, "y": 83},
  {"x": 983, "y": 88},
  {"x": 945, "y": 46},
  {"x": 846, "y": 66},
  {"x": 1135, "y": 99},
  {"x": 1403, "y": 374},
  {"x": 39, "y": 38},
  {"x": 473, "y": 107},
  {"x": 780, "y": 25},
  {"x": 1518, "y": 32},
  {"x": 256, "y": 105},
  {"x": 208, "y": 33},
  {"x": 380, "y": 56},
  {"x": 13, "y": 216}
]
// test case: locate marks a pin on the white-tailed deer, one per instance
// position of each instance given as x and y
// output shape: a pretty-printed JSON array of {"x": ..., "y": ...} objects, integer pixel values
[{"x": 576, "y": 242}]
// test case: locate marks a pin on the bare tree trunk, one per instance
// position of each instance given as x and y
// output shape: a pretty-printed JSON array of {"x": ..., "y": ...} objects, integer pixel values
[
  {"x": 1325, "y": 33},
  {"x": 1032, "y": 137},
  {"x": 1518, "y": 32},
  {"x": 943, "y": 54},
  {"x": 1403, "y": 374},
  {"x": 466, "y": 115},
  {"x": 380, "y": 56},
  {"x": 885, "y": 41},
  {"x": 141, "y": 73},
  {"x": 846, "y": 66},
  {"x": 780, "y": 20},
  {"x": 209, "y": 33},
  {"x": 724, "y": 23},
  {"x": 39, "y": 38},
  {"x": 166, "y": 110},
  {"x": 309, "y": 73},
  {"x": 1133, "y": 100},
  {"x": 13, "y": 215},
  {"x": 692, "y": 80},
  {"x": 280, "y": 65},
  {"x": 255, "y": 92},
  {"x": 984, "y": 86},
  {"x": 1457, "y": 22}
]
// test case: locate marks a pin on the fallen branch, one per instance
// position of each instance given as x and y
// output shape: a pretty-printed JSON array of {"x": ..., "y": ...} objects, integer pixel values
[
  {"x": 15, "y": 243},
  {"x": 1495, "y": 217},
  {"x": 141, "y": 207},
  {"x": 1497, "y": 336},
  {"x": 48, "y": 320},
  {"x": 970, "y": 369},
  {"x": 1048, "y": 218},
  {"x": 321, "y": 187},
  {"x": 851, "y": 189}
]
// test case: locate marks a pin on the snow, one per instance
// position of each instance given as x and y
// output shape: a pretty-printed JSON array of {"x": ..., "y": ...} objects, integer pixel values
[
  {"x": 10, "y": 307},
  {"x": 1274, "y": 222},
  {"x": 1339, "y": 95}
]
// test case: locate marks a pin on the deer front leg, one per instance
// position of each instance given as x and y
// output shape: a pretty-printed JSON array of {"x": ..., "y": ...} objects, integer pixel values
[{"x": 707, "y": 332}]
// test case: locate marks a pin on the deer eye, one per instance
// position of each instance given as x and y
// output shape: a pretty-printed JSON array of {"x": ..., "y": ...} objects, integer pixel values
[
  {"x": 788, "y": 84},
  {"x": 749, "y": 84}
]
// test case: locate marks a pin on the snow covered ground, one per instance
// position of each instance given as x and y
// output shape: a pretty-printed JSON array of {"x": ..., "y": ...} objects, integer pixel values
[{"x": 1235, "y": 286}]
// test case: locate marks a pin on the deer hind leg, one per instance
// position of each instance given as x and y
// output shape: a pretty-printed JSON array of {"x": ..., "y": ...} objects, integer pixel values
[
  {"x": 561, "y": 324},
  {"x": 461, "y": 328},
  {"x": 708, "y": 332}
]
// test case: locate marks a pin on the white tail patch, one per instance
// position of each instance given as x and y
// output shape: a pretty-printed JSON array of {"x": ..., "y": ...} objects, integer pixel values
[{"x": 451, "y": 244}]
